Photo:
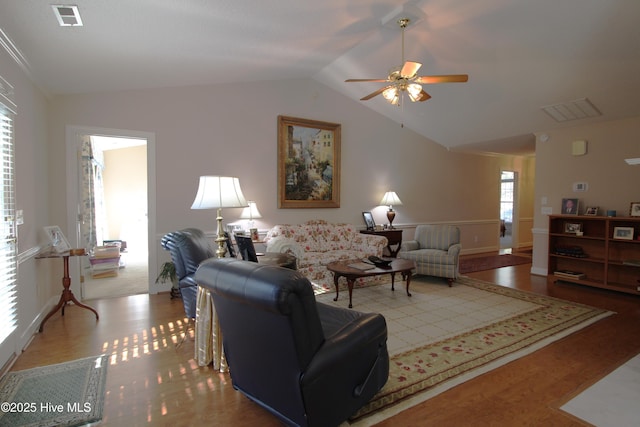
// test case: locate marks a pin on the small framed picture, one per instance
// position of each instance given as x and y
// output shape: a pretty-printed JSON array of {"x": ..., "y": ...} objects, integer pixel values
[
  {"x": 572, "y": 227},
  {"x": 623, "y": 233},
  {"x": 634, "y": 209},
  {"x": 57, "y": 239},
  {"x": 368, "y": 220},
  {"x": 570, "y": 206},
  {"x": 591, "y": 210}
]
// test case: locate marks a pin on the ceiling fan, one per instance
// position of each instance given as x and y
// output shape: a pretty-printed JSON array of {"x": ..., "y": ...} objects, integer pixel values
[{"x": 405, "y": 79}]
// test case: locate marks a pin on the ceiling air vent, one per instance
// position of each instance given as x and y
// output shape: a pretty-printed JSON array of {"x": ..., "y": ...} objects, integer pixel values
[
  {"x": 68, "y": 16},
  {"x": 572, "y": 110}
]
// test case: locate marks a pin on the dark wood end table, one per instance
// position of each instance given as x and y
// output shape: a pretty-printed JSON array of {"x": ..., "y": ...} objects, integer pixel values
[
  {"x": 394, "y": 237},
  {"x": 67, "y": 296},
  {"x": 343, "y": 269}
]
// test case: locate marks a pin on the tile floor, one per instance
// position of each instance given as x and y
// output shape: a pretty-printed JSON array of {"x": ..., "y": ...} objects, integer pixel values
[{"x": 426, "y": 316}]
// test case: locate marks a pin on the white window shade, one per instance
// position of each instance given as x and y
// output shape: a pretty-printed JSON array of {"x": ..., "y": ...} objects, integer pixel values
[{"x": 8, "y": 259}]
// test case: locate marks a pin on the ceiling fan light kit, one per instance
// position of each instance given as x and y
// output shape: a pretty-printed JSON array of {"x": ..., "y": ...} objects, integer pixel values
[{"x": 405, "y": 79}]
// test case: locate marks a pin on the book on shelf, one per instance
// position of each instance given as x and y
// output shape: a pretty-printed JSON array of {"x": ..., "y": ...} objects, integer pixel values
[
  {"x": 633, "y": 262},
  {"x": 568, "y": 274}
]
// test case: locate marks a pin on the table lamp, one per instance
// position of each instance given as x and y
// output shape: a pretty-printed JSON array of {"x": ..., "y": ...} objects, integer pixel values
[
  {"x": 217, "y": 192},
  {"x": 390, "y": 198},
  {"x": 250, "y": 213}
]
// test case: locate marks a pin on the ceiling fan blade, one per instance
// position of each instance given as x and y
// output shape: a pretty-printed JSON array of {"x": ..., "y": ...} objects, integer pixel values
[
  {"x": 409, "y": 69},
  {"x": 448, "y": 78},
  {"x": 423, "y": 96},
  {"x": 376, "y": 93},
  {"x": 366, "y": 80}
]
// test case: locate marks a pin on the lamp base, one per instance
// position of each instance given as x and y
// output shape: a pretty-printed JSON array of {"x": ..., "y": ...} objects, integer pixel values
[
  {"x": 391, "y": 214},
  {"x": 221, "y": 238}
]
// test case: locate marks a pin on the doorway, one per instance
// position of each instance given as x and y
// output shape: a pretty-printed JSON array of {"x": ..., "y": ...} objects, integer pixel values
[
  {"x": 127, "y": 165},
  {"x": 113, "y": 182},
  {"x": 507, "y": 206}
]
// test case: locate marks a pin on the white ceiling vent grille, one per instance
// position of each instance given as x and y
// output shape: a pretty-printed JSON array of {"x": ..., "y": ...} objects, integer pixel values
[
  {"x": 572, "y": 110},
  {"x": 68, "y": 16}
]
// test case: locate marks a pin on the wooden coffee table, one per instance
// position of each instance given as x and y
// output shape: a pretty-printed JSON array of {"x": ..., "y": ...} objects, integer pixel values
[{"x": 342, "y": 269}]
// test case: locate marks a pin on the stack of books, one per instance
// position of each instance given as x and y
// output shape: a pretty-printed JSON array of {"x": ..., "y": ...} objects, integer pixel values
[
  {"x": 105, "y": 262},
  {"x": 567, "y": 274}
]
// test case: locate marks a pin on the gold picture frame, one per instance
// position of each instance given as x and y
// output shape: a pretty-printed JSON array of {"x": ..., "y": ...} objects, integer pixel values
[{"x": 308, "y": 163}]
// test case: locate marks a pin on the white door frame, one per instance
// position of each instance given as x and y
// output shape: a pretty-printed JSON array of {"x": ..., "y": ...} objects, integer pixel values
[{"x": 73, "y": 140}]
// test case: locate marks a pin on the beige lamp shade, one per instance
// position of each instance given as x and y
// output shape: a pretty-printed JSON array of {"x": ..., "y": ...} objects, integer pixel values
[
  {"x": 390, "y": 198},
  {"x": 250, "y": 212},
  {"x": 219, "y": 192}
]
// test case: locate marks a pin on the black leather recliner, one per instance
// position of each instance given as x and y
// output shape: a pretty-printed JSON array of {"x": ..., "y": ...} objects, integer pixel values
[
  {"x": 188, "y": 248},
  {"x": 308, "y": 363}
]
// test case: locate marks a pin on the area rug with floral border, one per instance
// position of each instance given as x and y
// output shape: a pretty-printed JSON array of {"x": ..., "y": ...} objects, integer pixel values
[{"x": 441, "y": 337}]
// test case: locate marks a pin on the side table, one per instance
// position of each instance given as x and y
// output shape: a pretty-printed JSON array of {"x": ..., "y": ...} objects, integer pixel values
[
  {"x": 394, "y": 237},
  {"x": 67, "y": 295}
]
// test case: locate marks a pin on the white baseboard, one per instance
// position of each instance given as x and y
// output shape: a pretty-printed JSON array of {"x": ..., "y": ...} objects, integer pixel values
[{"x": 539, "y": 271}]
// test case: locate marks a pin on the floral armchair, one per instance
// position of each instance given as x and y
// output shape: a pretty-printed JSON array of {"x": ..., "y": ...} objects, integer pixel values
[{"x": 317, "y": 243}]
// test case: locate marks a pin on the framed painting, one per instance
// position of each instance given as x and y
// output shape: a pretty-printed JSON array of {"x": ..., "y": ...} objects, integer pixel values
[{"x": 308, "y": 163}]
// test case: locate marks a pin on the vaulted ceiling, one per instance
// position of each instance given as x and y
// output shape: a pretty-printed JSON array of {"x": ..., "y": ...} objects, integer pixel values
[{"x": 519, "y": 55}]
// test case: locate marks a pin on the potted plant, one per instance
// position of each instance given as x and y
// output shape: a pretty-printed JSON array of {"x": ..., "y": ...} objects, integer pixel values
[{"x": 168, "y": 274}]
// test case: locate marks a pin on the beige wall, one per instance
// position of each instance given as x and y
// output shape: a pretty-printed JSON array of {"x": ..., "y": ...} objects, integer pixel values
[
  {"x": 231, "y": 130},
  {"x": 125, "y": 186},
  {"x": 612, "y": 184}
]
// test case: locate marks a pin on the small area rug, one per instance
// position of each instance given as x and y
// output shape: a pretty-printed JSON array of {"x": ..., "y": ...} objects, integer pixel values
[
  {"x": 442, "y": 336},
  {"x": 481, "y": 263},
  {"x": 66, "y": 394}
]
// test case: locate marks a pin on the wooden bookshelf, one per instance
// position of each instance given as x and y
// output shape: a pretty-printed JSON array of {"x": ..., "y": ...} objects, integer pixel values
[{"x": 600, "y": 253}]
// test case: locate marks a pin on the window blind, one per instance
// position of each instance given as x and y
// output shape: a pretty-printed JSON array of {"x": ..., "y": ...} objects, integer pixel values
[{"x": 8, "y": 258}]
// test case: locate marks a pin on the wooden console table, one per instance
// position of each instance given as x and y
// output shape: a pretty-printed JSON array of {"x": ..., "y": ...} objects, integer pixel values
[
  {"x": 394, "y": 237},
  {"x": 67, "y": 294}
]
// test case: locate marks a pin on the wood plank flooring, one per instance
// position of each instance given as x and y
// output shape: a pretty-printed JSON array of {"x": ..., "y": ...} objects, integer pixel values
[{"x": 151, "y": 382}]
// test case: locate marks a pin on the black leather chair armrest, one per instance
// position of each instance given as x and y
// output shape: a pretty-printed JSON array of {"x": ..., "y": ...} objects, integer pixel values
[
  {"x": 350, "y": 367},
  {"x": 347, "y": 345}
]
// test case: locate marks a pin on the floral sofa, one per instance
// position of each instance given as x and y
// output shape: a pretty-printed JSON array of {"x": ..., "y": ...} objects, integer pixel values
[{"x": 317, "y": 243}]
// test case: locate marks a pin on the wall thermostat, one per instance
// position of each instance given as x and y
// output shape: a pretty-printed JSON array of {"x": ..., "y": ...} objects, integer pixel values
[{"x": 580, "y": 186}]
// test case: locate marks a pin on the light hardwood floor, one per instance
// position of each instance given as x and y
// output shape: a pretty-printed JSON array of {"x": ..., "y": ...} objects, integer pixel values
[{"x": 151, "y": 382}]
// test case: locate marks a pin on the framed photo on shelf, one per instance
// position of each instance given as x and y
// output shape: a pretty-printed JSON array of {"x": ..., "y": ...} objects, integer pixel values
[
  {"x": 591, "y": 210},
  {"x": 308, "y": 163},
  {"x": 570, "y": 206},
  {"x": 572, "y": 227},
  {"x": 368, "y": 220},
  {"x": 634, "y": 209},
  {"x": 623, "y": 233},
  {"x": 57, "y": 239}
]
